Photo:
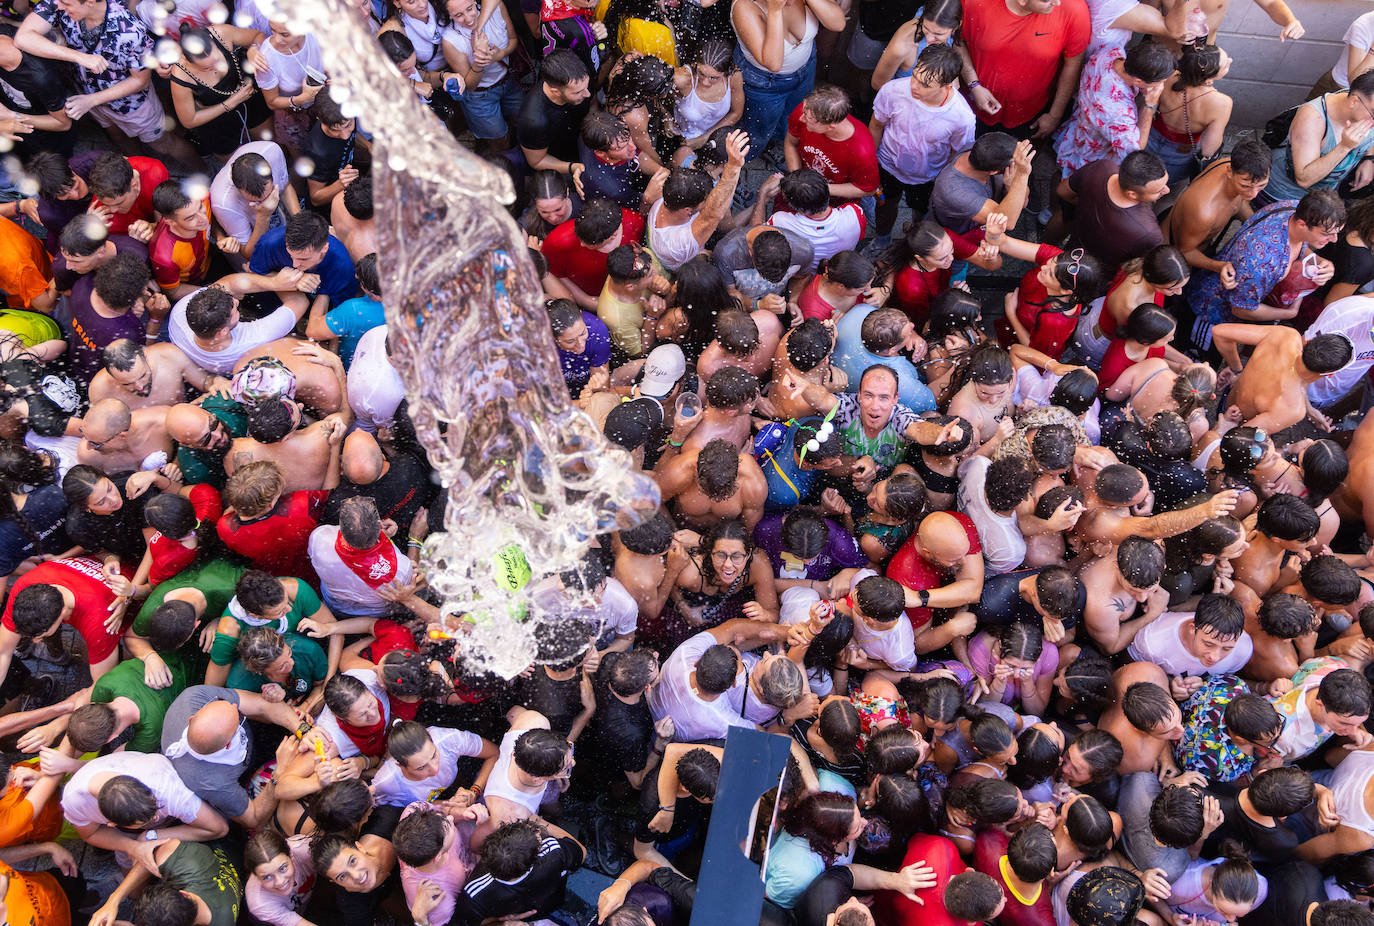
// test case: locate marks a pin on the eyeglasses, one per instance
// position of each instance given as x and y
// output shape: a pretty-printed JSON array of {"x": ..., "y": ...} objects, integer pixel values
[
  {"x": 739, "y": 559},
  {"x": 216, "y": 428},
  {"x": 97, "y": 444}
]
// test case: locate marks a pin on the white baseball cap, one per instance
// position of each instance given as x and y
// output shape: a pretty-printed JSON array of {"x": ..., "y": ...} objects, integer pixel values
[{"x": 662, "y": 370}]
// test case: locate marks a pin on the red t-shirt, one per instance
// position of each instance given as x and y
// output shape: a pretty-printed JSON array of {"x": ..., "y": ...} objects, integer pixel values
[
  {"x": 278, "y": 542},
  {"x": 150, "y": 172},
  {"x": 1018, "y": 57},
  {"x": 1115, "y": 362},
  {"x": 170, "y": 555},
  {"x": 854, "y": 160},
  {"x": 1050, "y": 330},
  {"x": 915, "y": 289},
  {"x": 988, "y": 853},
  {"x": 178, "y": 260},
  {"x": 83, "y": 577},
  {"x": 916, "y": 572},
  {"x": 570, "y": 259},
  {"x": 892, "y": 908}
]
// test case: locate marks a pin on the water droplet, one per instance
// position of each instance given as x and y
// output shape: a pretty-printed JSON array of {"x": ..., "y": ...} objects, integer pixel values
[
  {"x": 93, "y": 228},
  {"x": 196, "y": 186},
  {"x": 217, "y": 14},
  {"x": 304, "y": 167},
  {"x": 167, "y": 51},
  {"x": 195, "y": 46},
  {"x": 339, "y": 92},
  {"x": 243, "y": 19},
  {"x": 351, "y": 109},
  {"x": 396, "y": 162}
]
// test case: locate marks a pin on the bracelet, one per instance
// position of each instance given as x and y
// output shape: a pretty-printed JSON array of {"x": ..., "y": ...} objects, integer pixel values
[
  {"x": 414, "y": 544},
  {"x": 672, "y": 443},
  {"x": 625, "y": 880},
  {"x": 975, "y": 83},
  {"x": 672, "y": 809}
]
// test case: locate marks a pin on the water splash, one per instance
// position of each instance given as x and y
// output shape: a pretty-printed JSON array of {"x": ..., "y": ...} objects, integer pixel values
[{"x": 526, "y": 472}]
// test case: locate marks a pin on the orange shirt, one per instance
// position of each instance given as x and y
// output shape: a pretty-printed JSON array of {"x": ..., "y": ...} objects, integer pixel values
[
  {"x": 18, "y": 825},
  {"x": 25, "y": 268},
  {"x": 35, "y": 899}
]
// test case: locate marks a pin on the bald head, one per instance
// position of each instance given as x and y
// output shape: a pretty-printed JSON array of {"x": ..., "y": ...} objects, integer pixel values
[
  {"x": 943, "y": 537},
  {"x": 213, "y": 727},
  {"x": 186, "y": 422},
  {"x": 362, "y": 458},
  {"x": 106, "y": 419}
]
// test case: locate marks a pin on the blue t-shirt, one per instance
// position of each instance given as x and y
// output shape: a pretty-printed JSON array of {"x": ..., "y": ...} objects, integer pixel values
[
  {"x": 851, "y": 356},
  {"x": 351, "y": 320},
  {"x": 577, "y": 368},
  {"x": 788, "y": 484},
  {"x": 792, "y": 866},
  {"x": 337, "y": 279}
]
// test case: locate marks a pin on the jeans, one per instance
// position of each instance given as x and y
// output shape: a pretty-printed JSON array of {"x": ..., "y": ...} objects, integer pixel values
[
  {"x": 486, "y": 110},
  {"x": 769, "y": 98}
]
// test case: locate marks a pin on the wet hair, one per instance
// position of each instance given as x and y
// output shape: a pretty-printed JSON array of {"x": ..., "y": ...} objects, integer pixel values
[
  {"x": 1318, "y": 209},
  {"x": 1345, "y": 692},
  {"x": 1354, "y": 872},
  {"x": 419, "y": 838},
  {"x": 1167, "y": 435},
  {"x": 804, "y": 533},
  {"x": 126, "y": 801},
  {"x": 624, "y": 266},
  {"x": 937, "y": 700},
  {"x": 1327, "y": 353},
  {"x": 250, "y": 173},
  {"x": 808, "y": 344},
  {"x": 1176, "y": 816},
  {"x": 1150, "y": 62},
  {"x": 405, "y": 739},
  {"x": 823, "y": 819},
  {"x": 954, "y": 312},
  {"x": 79, "y": 483},
  {"x": 511, "y": 851},
  {"x": 342, "y": 692},
  {"x": 366, "y": 268},
  {"x": 838, "y": 726},
  {"x": 357, "y": 199},
  {"x": 892, "y": 750},
  {"x": 1007, "y": 483},
  {"x": 1197, "y": 65},
  {"x": 992, "y": 152},
  {"x": 628, "y": 673},
  {"x": 883, "y": 329},
  {"x": 342, "y": 806},
  {"x": 698, "y": 770},
  {"x": 686, "y": 188},
  {"x": 722, "y": 530},
  {"x": 52, "y": 172},
  {"x": 906, "y": 495},
  {"x": 1194, "y": 388},
  {"x": 731, "y": 387},
  {"x": 306, "y": 231},
  {"x": 1138, "y": 170},
  {"x": 970, "y": 896},
  {"x": 209, "y": 311},
  {"x": 597, "y": 222},
  {"x": 945, "y": 14},
  {"x": 718, "y": 54},
  {"x": 1037, "y": 758},
  {"x": 562, "y": 67},
  {"x": 1285, "y": 616},
  {"x": 881, "y": 599},
  {"x": 1252, "y": 717},
  {"x": 1148, "y": 324},
  {"x": 1101, "y": 751},
  {"x": 1146, "y": 705},
  {"x": 1235, "y": 880},
  {"x": 939, "y": 64},
  {"x": 1341, "y": 912},
  {"x": 35, "y": 609},
  {"x": 1282, "y": 791},
  {"x": 828, "y": 104},
  {"x": 1053, "y": 446},
  {"x": 1089, "y": 679},
  {"x": 122, "y": 280},
  {"x": 652, "y": 538},
  {"x": 950, "y": 447},
  {"x": 1252, "y": 158},
  {"x": 1032, "y": 854},
  {"x": 1058, "y": 589},
  {"x": 1090, "y": 826},
  {"x": 806, "y": 191},
  {"x": 1076, "y": 391},
  {"x": 849, "y": 269},
  {"x": 110, "y": 177},
  {"x": 1083, "y": 276},
  {"x": 989, "y": 801},
  {"x": 259, "y": 647},
  {"x": 1325, "y": 467},
  {"x": 171, "y": 625},
  {"x": 257, "y": 591},
  {"x": 737, "y": 333},
  {"x": 990, "y": 734},
  {"x": 1140, "y": 561},
  {"x": 717, "y": 669},
  {"x": 772, "y": 254},
  {"x": 269, "y": 422},
  {"x": 253, "y": 487},
  {"x": 602, "y": 130},
  {"x": 563, "y": 314},
  {"x": 161, "y": 904},
  {"x": 1329, "y": 579},
  {"x": 901, "y": 801},
  {"x": 1220, "y": 614},
  {"x": 1287, "y": 517},
  {"x": 540, "y": 752}
]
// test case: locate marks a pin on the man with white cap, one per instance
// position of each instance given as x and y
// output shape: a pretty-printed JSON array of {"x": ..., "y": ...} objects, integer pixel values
[{"x": 660, "y": 380}]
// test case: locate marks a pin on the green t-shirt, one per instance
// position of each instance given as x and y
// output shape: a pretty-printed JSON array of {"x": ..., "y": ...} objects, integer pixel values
[
  {"x": 312, "y": 664},
  {"x": 126, "y": 681},
  {"x": 200, "y": 465},
  {"x": 306, "y": 604},
  {"x": 206, "y": 870},
  {"x": 215, "y": 580}
]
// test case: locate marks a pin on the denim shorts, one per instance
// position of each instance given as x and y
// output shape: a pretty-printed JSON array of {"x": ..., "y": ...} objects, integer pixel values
[
  {"x": 486, "y": 110},
  {"x": 770, "y": 98}
]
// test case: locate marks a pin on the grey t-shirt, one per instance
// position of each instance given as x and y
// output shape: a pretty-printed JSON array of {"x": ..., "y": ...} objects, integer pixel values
[
  {"x": 957, "y": 198},
  {"x": 1138, "y": 793},
  {"x": 736, "y": 263},
  {"x": 217, "y": 785}
]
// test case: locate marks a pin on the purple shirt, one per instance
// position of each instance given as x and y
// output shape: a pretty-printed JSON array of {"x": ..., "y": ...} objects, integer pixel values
[
  {"x": 980, "y": 659},
  {"x": 577, "y": 368},
  {"x": 840, "y": 552},
  {"x": 92, "y": 332},
  {"x": 66, "y": 278},
  {"x": 450, "y": 877},
  {"x": 54, "y": 214}
]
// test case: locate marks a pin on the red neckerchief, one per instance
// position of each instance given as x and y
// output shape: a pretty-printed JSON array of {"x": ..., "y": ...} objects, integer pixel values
[
  {"x": 376, "y": 566},
  {"x": 371, "y": 741}
]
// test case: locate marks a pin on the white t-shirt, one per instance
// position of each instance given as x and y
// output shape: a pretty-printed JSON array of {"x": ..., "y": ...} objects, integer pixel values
[
  {"x": 375, "y": 389},
  {"x": 428, "y": 38},
  {"x": 498, "y": 783},
  {"x": 227, "y": 204},
  {"x": 340, "y": 586},
  {"x": 174, "y": 799},
  {"x": 1359, "y": 36},
  {"x": 244, "y": 337},
  {"x": 673, "y": 245},
  {"x": 286, "y": 72},
  {"x": 392, "y": 788},
  {"x": 1004, "y": 547},
  {"x": 919, "y": 139},
  {"x": 495, "y": 31},
  {"x": 1351, "y": 317},
  {"x": 1159, "y": 643},
  {"x": 672, "y": 696},
  {"x": 1103, "y": 14},
  {"x": 794, "y": 607},
  {"x": 840, "y": 230},
  {"x": 617, "y": 613},
  {"x": 330, "y": 724}
]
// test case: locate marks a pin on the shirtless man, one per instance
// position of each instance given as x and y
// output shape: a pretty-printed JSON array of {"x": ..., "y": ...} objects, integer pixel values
[
  {"x": 352, "y": 217},
  {"x": 1118, "y": 587},
  {"x": 648, "y": 560},
  {"x": 805, "y": 354},
  {"x": 1208, "y": 204},
  {"x": 1284, "y": 526},
  {"x": 1144, "y": 718},
  {"x": 302, "y": 454},
  {"x": 1271, "y": 389},
  {"x": 1120, "y": 492},
  {"x": 1283, "y": 629},
  {"x": 1354, "y": 500},
  {"x": 320, "y": 379},
  {"x": 985, "y": 400},
  {"x": 115, "y": 440},
  {"x": 746, "y": 340},
  {"x": 729, "y": 398},
  {"x": 716, "y": 483},
  {"x": 156, "y": 375}
]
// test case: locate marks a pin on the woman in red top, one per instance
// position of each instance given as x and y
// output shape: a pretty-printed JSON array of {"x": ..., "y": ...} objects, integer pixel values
[
  {"x": 180, "y": 532},
  {"x": 1044, "y": 310},
  {"x": 1148, "y": 333},
  {"x": 1161, "y": 272},
  {"x": 925, "y": 257},
  {"x": 839, "y": 282}
]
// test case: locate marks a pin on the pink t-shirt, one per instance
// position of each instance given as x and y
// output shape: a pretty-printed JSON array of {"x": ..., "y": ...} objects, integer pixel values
[
  {"x": 450, "y": 877},
  {"x": 980, "y": 658},
  {"x": 284, "y": 909}
]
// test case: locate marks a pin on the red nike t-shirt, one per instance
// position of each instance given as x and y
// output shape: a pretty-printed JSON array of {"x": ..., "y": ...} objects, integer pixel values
[
  {"x": 1018, "y": 57},
  {"x": 84, "y": 578},
  {"x": 914, "y": 571}
]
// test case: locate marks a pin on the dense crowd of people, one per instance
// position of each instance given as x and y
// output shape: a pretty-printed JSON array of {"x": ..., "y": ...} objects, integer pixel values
[{"x": 1059, "y": 589}]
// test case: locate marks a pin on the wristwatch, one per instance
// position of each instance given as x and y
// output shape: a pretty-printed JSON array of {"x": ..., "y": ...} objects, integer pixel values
[{"x": 925, "y": 597}]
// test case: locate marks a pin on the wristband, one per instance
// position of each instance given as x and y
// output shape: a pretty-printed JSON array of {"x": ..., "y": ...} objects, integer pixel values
[
  {"x": 672, "y": 809},
  {"x": 672, "y": 443},
  {"x": 975, "y": 83}
]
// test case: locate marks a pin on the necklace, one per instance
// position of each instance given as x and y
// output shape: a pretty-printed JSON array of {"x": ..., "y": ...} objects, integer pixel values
[{"x": 233, "y": 67}]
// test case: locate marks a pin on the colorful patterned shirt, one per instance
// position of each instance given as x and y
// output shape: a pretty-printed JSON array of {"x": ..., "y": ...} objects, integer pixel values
[
  {"x": 123, "y": 41},
  {"x": 1105, "y": 123},
  {"x": 1206, "y": 747},
  {"x": 888, "y": 447},
  {"x": 1301, "y": 734},
  {"x": 1259, "y": 252}
]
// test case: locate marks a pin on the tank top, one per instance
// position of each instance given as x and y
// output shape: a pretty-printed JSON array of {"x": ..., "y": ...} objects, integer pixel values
[
  {"x": 695, "y": 116},
  {"x": 673, "y": 245},
  {"x": 920, "y": 47},
  {"x": 498, "y": 783},
  {"x": 1282, "y": 184},
  {"x": 1348, "y": 784},
  {"x": 795, "y": 55}
]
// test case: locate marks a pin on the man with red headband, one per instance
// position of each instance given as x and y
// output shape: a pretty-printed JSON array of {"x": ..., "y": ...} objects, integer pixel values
[{"x": 357, "y": 558}]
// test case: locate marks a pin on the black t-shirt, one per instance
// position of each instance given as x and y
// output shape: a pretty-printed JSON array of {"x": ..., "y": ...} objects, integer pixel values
[
  {"x": 45, "y": 512},
  {"x": 541, "y": 889},
  {"x": 622, "y": 184},
  {"x": 1173, "y": 481},
  {"x": 331, "y": 155},
  {"x": 120, "y": 533},
  {"x": 543, "y": 124},
  {"x": 34, "y": 87},
  {"x": 1108, "y": 232},
  {"x": 1275, "y": 843},
  {"x": 1354, "y": 265},
  {"x": 1001, "y": 602},
  {"x": 559, "y": 701},
  {"x": 619, "y": 734},
  {"x": 399, "y": 493},
  {"x": 687, "y": 812},
  {"x": 851, "y": 771}
]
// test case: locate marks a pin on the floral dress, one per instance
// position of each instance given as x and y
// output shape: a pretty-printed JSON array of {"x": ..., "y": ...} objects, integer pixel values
[{"x": 1105, "y": 123}]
